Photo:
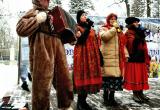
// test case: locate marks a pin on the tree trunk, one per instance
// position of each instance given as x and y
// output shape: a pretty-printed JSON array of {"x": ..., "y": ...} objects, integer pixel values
[
  {"x": 158, "y": 8},
  {"x": 148, "y": 8},
  {"x": 127, "y": 7}
]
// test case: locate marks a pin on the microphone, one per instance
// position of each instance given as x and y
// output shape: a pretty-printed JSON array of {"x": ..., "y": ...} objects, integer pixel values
[
  {"x": 118, "y": 28},
  {"x": 90, "y": 22}
]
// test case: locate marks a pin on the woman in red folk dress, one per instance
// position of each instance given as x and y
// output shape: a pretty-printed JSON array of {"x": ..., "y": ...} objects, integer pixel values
[
  {"x": 87, "y": 70},
  {"x": 136, "y": 77}
]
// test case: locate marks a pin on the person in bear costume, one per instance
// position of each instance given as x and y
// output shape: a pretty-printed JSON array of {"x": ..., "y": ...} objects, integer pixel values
[{"x": 48, "y": 64}]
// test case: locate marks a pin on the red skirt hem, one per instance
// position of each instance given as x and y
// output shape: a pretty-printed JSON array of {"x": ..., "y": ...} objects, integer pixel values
[{"x": 136, "y": 77}]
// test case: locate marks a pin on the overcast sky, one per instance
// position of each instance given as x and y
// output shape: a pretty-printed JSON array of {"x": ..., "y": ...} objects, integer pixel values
[{"x": 102, "y": 7}]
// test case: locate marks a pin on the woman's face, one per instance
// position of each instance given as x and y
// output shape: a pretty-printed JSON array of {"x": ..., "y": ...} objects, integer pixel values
[
  {"x": 136, "y": 24},
  {"x": 83, "y": 17},
  {"x": 112, "y": 20},
  {"x": 44, "y": 3}
]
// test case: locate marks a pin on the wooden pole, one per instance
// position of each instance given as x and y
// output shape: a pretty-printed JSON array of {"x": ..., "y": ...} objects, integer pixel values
[{"x": 19, "y": 60}]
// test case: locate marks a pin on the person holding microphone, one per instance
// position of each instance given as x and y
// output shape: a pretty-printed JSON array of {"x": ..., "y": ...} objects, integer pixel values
[
  {"x": 136, "y": 73},
  {"x": 87, "y": 70},
  {"x": 114, "y": 56}
]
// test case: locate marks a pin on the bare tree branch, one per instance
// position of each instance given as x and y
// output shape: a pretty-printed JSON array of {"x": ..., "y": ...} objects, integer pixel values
[{"x": 121, "y": 1}]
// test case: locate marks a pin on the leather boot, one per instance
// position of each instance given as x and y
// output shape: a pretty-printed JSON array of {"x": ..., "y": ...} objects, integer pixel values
[
  {"x": 29, "y": 77},
  {"x": 106, "y": 97},
  {"x": 81, "y": 103},
  {"x": 112, "y": 101},
  {"x": 136, "y": 97},
  {"x": 142, "y": 96},
  {"x": 25, "y": 86}
]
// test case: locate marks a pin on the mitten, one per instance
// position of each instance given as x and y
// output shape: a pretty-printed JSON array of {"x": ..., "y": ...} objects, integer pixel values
[
  {"x": 41, "y": 17},
  {"x": 116, "y": 25}
]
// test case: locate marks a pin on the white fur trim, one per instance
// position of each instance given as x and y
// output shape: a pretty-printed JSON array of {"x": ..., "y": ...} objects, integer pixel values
[
  {"x": 36, "y": 12},
  {"x": 41, "y": 17},
  {"x": 70, "y": 108}
]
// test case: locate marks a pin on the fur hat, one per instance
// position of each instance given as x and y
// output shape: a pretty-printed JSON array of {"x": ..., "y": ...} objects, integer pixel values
[
  {"x": 131, "y": 20},
  {"x": 79, "y": 14},
  {"x": 38, "y": 4}
]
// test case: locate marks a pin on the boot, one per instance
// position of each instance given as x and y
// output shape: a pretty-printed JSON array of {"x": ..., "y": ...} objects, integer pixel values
[
  {"x": 112, "y": 101},
  {"x": 136, "y": 97},
  {"x": 29, "y": 77},
  {"x": 142, "y": 96},
  {"x": 26, "y": 107},
  {"x": 81, "y": 103},
  {"x": 25, "y": 86},
  {"x": 106, "y": 97}
]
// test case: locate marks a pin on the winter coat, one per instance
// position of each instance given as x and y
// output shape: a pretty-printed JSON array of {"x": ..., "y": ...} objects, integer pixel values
[
  {"x": 87, "y": 70},
  {"x": 137, "y": 48},
  {"x": 110, "y": 49}
]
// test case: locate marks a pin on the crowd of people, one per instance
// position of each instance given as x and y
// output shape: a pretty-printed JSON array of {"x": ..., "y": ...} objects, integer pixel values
[
  {"x": 153, "y": 37},
  {"x": 110, "y": 60}
]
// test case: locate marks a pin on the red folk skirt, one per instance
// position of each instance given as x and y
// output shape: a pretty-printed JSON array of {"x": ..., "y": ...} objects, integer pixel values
[
  {"x": 136, "y": 76},
  {"x": 87, "y": 71}
]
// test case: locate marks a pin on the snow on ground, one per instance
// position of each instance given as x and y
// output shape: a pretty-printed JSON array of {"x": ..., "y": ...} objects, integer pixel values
[
  {"x": 8, "y": 83},
  {"x": 8, "y": 78}
]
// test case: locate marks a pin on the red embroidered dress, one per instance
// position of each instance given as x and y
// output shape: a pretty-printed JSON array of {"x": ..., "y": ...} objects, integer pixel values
[
  {"x": 136, "y": 76},
  {"x": 87, "y": 70}
]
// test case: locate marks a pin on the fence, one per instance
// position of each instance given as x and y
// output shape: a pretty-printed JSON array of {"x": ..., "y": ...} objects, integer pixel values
[{"x": 8, "y": 56}]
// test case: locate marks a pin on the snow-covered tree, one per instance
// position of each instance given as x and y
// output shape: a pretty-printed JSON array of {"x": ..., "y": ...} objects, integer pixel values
[
  {"x": 76, "y": 5},
  {"x": 148, "y": 6},
  {"x": 5, "y": 35},
  {"x": 156, "y": 9},
  {"x": 138, "y": 8},
  {"x": 127, "y": 7},
  {"x": 54, "y": 3},
  {"x": 6, "y": 40}
]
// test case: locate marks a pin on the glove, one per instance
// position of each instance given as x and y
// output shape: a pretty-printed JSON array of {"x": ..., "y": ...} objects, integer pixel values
[
  {"x": 78, "y": 34},
  {"x": 41, "y": 17},
  {"x": 90, "y": 22},
  {"x": 115, "y": 24}
]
